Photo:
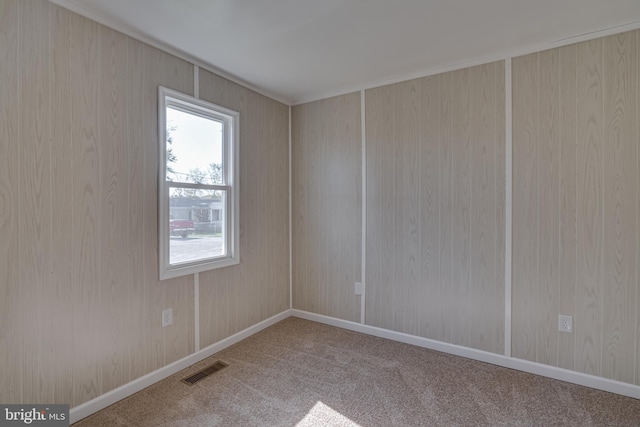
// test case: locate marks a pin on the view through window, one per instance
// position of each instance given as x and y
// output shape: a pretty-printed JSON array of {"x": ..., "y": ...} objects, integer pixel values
[{"x": 197, "y": 185}]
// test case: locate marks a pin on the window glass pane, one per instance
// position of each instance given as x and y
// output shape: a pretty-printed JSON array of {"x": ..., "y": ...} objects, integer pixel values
[
  {"x": 198, "y": 195},
  {"x": 194, "y": 148},
  {"x": 197, "y": 224}
]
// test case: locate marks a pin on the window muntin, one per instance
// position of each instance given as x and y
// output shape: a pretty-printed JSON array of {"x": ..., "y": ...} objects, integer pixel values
[{"x": 198, "y": 184}]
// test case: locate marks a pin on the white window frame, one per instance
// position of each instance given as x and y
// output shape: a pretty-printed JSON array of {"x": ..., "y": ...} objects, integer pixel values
[{"x": 231, "y": 160}]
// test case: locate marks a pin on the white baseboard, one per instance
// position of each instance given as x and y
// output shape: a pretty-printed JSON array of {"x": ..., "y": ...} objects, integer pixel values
[
  {"x": 126, "y": 390},
  {"x": 82, "y": 411},
  {"x": 592, "y": 381}
]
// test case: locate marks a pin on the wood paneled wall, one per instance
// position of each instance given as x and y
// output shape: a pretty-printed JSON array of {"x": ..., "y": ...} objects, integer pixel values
[
  {"x": 236, "y": 297},
  {"x": 435, "y": 207},
  {"x": 80, "y": 299},
  {"x": 436, "y": 197},
  {"x": 575, "y": 206},
  {"x": 327, "y": 206}
]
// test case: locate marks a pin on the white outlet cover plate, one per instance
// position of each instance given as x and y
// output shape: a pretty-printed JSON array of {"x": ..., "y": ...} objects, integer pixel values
[
  {"x": 565, "y": 323},
  {"x": 359, "y": 288},
  {"x": 167, "y": 317}
]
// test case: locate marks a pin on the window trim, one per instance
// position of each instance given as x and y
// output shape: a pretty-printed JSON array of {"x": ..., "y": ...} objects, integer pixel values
[{"x": 231, "y": 162}]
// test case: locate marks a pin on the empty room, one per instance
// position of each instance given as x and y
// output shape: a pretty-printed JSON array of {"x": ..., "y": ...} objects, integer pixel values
[{"x": 319, "y": 213}]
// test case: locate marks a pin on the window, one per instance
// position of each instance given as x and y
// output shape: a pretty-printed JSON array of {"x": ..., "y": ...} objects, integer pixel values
[{"x": 198, "y": 199}]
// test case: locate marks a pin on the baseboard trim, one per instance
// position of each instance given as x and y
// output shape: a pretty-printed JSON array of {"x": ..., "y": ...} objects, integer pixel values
[
  {"x": 88, "y": 408},
  {"x": 566, "y": 375},
  {"x": 82, "y": 411}
]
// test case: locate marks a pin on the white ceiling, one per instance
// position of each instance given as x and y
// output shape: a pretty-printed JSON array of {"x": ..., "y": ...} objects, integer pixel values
[{"x": 302, "y": 50}]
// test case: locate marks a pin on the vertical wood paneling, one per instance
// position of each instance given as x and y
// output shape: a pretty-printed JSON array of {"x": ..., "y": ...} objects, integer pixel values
[
  {"x": 326, "y": 141},
  {"x": 637, "y": 164},
  {"x": 568, "y": 220},
  {"x": 164, "y": 345},
  {"x": 548, "y": 207},
  {"x": 376, "y": 127},
  {"x": 152, "y": 296},
  {"x": 217, "y": 318},
  {"x": 389, "y": 203},
  {"x": 215, "y": 293},
  {"x": 78, "y": 209},
  {"x": 116, "y": 283},
  {"x": 483, "y": 271},
  {"x": 525, "y": 209},
  {"x": 299, "y": 208},
  {"x": 317, "y": 240},
  {"x": 429, "y": 220},
  {"x": 500, "y": 213},
  {"x": 234, "y": 298},
  {"x": 461, "y": 203},
  {"x": 403, "y": 140},
  {"x": 178, "y": 293},
  {"x": 412, "y": 260},
  {"x": 620, "y": 193},
  {"x": 404, "y": 128},
  {"x": 135, "y": 171},
  {"x": 278, "y": 200},
  {"x": 85, "y": 209},
  {"x": 253, "y": 220},
  {"x": 266, "y": 234},
  {"x": 335, "y": 170},
  {"x": 434, "y": 203},
  {"x": 481, "y": 160},
  {"x": 10, "y": 305},
  {"x": 34, "y": 197},
  {"x": 446, "y": 266},
  {"x": 61, "y": 200},
  {"x": 348, "y": 233},
  {"x": 587, "y": 207}
]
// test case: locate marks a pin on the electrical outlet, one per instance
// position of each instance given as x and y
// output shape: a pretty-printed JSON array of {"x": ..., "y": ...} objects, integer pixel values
[
  {"x": 359, "y": 288},
  {"x": 565, "y": 323},
  {"x": 167, "y": 317}
]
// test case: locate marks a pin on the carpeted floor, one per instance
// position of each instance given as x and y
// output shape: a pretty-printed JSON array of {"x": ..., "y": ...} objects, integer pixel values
[{"x": 301, "y": 373}]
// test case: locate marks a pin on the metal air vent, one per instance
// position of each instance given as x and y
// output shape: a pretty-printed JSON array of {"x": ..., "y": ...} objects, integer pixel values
[{"x": 204, "y": 373}]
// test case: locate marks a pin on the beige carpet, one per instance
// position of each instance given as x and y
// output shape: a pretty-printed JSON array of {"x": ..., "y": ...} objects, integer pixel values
[{"x": 301, "y": 373}]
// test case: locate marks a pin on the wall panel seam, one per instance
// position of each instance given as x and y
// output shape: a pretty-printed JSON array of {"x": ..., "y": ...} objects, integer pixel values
[
  {"x": 575, "y": 189},
  {"x": 508, "y": 204},
  {"x": 559, "y": 103},
  {"x": 602, "y": 203},
  {"x": 637, "y": 196},
  {"x": 536, "y": 184},
  {"x": 196, "y": 311},
  {"x": 19, "y": 156},
  {"x": 290, "y": 218},
  {"x": 363, "y": 253},
  {"x": 637, "y": 76}
]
